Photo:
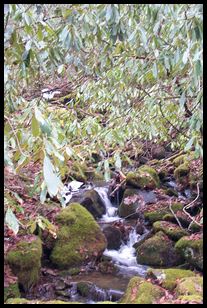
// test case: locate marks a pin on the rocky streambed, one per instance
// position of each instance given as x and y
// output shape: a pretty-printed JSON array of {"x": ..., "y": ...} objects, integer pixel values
[{"x": 136, "y": 245}]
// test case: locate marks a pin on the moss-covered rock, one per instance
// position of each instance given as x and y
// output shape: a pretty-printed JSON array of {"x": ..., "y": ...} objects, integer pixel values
[
  {"x": 172, "y": 230},
  {"x": 191, "y": 250},
  {"x": 81, "y": 172},
  {"x": 25, "y": 261},
  {"x": 26, "y": 301},
  {"x": 181, "y": 171},
  {"x": 159, "y": 211},
  {"x": 91, "y": 200},
  {"x": 129, "y": 204},
  {"x": 11, "y": 291},
  {"x": 79, "y": 238},
  {"x": 144, "y": 177},
  {"x": 169, "y": 278},
  {"x": 179, "y": 160},
  {"x": 190, "y": 288},
  {"x": 140, "y": 291},
  {"x": 158, "y": 250}
]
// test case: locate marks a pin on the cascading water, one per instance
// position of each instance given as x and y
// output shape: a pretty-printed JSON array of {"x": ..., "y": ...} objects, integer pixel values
[
  {"x": 111, "y": 211},
  {"x": 124, "y": 258}
]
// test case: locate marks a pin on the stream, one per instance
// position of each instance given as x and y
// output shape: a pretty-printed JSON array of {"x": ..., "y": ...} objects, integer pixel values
[{"x": 100, "y": 286}]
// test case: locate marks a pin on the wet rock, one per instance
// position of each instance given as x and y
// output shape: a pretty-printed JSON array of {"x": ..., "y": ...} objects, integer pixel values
[
  {"x": 190, "y": 288},
  {"x": 107, "y": 267},
  {"x": 79, "y": 238},
  {"x": 158, "y": 250},
  {"x": 169, "y": 278},
  {"x": 130, "y": 203},
  {"x": 170, "y": 229},
  {"x": 140, "y": 291},
  {"x": 25, "y": 261},
  {"x": 144, "y": 177},
  {"x": 139, "y": 228},
  {"x": 113, "y": 236},
  {"x": 191, "y": 249},
  {"x": 93, "y": 292},
  {"x": 91, "y": 200}
]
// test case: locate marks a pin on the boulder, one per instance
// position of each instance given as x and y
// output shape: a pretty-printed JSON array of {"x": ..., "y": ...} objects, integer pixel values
[
  {"x": 169, "y": 278},
  {"x": 91, "y": 200},
  {"x": 140, "y": 291},
  {"x": 160, "y": 210},
  {"x": 191, "y": 249},
  {"x": 129, "y": 204},
  {"x": 113, "y": 236},
  {"x": 144, "y": 177},
  {"x": 25, "y": 261},
  {"x": 157, "y": 250},
  {"x": 190, "y": 288},
  {"x": 181, "y": 171},
  {"x": 172, "y": 230},
  {"x": 79, "y": 238}
]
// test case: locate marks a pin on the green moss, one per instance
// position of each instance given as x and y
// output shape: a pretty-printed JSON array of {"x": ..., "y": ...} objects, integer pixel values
[
  {"x": 192, "y": 298},
  {"x": 140, "y": 291},
  {"x": 144, "y": 177},
  {"x": 190, "y": 286},
  {"x": 79, "y": 238},
  {"x": 169, "y": 277},
  {"x": 172, "y": 230},
  {"x": 11, "y": 291},
  {"x": 83, "y": 288},
  {"x": 181, "y": 171},
  {"x": 158, "y": 250},
  {"x": 179, "y": 160},
  {"x": 171, "y": 192},
  {"x": 77, "y": 172},
  {"x": 25, "y": 301},
  {"x": 128, "y": 208},
  {"x": 161, "y": 212},
  {"x": 191, "y": 250},
  {"x": 25, "y": 261}
]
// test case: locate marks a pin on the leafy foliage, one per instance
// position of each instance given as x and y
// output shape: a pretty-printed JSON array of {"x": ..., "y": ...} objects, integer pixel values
[{"x": 135, "y": 72}]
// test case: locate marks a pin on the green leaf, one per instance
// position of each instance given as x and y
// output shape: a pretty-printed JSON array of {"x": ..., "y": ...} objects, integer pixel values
[
  {"x": 182, "y": 99},
  {"x": 117, "y": 161},
  {"x": 12, "y": 221},
  {"x": 107, "y": 174},
  {"x": 35, "y": 127},
  {"x": 52, "y": 181},
  {"x": 64, "y": 33},
  {"x": 154, "y": 70},
  {"x": 189, "y": 144},
  {"x": 109, "y": 12},
  {"x": 185, "y": 56}
]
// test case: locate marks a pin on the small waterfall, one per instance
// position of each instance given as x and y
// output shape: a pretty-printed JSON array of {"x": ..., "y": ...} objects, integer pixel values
[
  {"x": 125, "y": 257},
  {"x": 111, "y": 211}
]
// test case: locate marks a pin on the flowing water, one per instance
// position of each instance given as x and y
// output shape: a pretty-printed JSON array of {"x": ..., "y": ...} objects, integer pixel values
[{"x": 124, "y": 258}]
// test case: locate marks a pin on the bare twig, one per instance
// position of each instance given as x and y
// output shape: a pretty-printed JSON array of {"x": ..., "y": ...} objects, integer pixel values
[
  {"x": 191, "y": 204},
  {"x": 178, "y": 221},
  {"x": 117, "y": 187}
]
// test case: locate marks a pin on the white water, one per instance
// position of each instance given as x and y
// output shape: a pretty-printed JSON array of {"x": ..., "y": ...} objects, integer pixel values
[
  {"x": 125, "y": 257},
  {"x": 111, "y": 211}
]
